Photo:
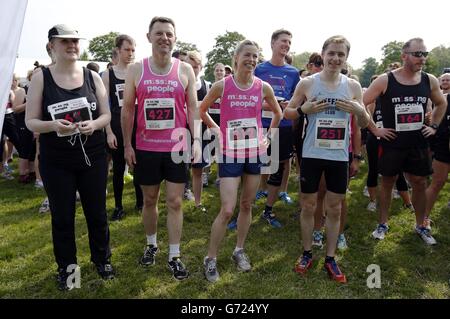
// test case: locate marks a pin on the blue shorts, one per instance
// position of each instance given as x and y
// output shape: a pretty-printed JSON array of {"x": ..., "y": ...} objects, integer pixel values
[{"x": 232, "y": 167}]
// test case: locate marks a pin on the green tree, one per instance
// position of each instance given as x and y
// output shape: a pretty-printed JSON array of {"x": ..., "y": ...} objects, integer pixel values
[
  {"x": 84, "y": 56},
  {"x": 439, "y": 59},
  {"x": 100, "y": 47},
  {"x": 391, "y": 53},
  {"x": 222, "y": 52},
  {"x": 370, "y": 66},
  {"x": 300, "y": 60},
  {"x": 185, "y": 46}
]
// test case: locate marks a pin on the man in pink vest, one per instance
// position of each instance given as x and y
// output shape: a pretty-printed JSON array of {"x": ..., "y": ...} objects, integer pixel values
[{"x": 163, "y": 87}]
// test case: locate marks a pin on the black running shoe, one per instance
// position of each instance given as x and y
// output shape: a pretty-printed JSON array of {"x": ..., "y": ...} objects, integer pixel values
[
  {"x": 106, "y": 271},
  {"x": 178, "y": 269},
  {"x": 61, "y": 279},
  {"x": 117, "y": 214},
  {"x": 148, "y": 259}
]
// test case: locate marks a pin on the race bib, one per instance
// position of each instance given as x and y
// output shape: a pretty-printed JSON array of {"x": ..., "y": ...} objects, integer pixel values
[
  {"x": 267, "y": 114},
  {"x": 409, "y": 118},
  {"x": 119, "y": 93},
  {"x": 159, "y": 113},
  {"x": 242, "y": 134},
  {"x": 215, "y": 108},
  {"x": 330, "y": 133},
  {"x": 76, "y": 110}
]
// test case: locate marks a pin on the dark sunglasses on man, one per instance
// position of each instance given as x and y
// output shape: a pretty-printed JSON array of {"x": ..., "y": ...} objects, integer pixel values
[
  {"x": 317, "y": 64},
  {"x": 418, "y": 54}
]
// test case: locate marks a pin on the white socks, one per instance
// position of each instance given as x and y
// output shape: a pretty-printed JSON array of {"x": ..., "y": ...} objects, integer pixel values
[{"x": 151, "y": 240}]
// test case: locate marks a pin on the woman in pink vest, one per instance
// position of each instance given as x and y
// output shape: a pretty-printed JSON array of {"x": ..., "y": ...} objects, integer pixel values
[{"x": 241, "y": 144}]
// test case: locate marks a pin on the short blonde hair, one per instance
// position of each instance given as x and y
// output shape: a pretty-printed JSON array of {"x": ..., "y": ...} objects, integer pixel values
[
  {"x": 195, "y": 56},
  {"x": 241, "y": 46}
]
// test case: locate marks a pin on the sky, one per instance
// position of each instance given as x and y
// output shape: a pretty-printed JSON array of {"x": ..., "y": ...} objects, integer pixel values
[{"x": 368, "y": 25}]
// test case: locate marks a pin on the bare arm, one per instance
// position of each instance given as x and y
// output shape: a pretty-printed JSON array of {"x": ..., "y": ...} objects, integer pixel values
[
  {"x": 33, "y": 113},
  {"x": 439, "y": 101},
  {"x": 269, "y": 98},
  {"x": 18, "y": 105},
  {"x": 191, "y": 101},
  {"x": 290, "y": 112},
  {"x": 110, "y": 137},
  {"x": 129, "y": 99},
  {"x": 89, "y": 127},
  {"x": 356, "y": 147},
  {"x": 127, "y": 113},
  {"x": 355, "y": 106}
]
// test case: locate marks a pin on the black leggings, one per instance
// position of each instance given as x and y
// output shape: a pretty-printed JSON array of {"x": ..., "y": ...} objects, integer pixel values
[
  {"x": 61, "y": 183},
  {"x": 118, "y": 170},
  {"x": 372, "y": 156}
]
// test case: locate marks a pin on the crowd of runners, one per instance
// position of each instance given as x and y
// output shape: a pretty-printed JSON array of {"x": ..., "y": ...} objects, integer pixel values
[{"x": 159, "y": 119}]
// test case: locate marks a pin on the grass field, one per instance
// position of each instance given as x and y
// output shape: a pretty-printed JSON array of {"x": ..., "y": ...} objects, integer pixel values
[{"x": 409, "y": 269}]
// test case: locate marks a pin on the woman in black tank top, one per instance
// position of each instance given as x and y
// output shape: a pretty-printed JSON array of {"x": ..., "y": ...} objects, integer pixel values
[{"x": 68, "y": 106}]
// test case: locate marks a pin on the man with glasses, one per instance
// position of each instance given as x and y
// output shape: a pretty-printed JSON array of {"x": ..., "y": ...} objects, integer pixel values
[{"x": 404, "y": 95}]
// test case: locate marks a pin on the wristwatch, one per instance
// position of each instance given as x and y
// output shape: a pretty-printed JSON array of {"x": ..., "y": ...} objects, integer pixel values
[
  {"x": 358, "y": 157},
  {"x": 299, "y": 111},
  {"x": 435, "y": 126}
]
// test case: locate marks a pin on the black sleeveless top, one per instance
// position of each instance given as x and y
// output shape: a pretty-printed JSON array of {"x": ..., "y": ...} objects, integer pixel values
[
  {"x": 407, "y": 100},
  {"x": 67, "y": 150},
  {"x": 116, "y": 88},
  {"x": 201, "y": 93}
]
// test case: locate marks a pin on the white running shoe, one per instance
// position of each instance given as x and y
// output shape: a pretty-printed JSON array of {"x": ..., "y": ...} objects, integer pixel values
[{"x": 380, "y": 231}]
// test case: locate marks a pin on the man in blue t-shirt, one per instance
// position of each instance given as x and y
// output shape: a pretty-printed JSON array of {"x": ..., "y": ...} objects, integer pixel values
[{"x": 283, "y": 78}]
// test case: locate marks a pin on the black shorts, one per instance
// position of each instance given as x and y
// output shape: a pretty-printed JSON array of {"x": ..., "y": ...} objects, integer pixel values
[
  {"x": 336, "y": 175},
  {"x": 297, "y": 131},
  {"x": 415, "y": 161},
  {"x": 441, "y": 151},
  {"x": 154, "y": 167},
  {"x": 364, "y": 133},
  {"x": 206, "y": 152},
  {"x": 27, "y": 144},
  {"x": 285, "y": 140}
]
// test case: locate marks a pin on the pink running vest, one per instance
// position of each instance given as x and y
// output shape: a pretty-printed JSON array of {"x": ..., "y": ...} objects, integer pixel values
[
  {"x": 161, "y": 117},
  {"x": 240, "y": 119}
]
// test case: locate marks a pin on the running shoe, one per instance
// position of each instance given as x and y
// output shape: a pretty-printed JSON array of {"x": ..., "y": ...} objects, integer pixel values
[
  {"x": 211, "y": 273},
  {"x": 334, "y": 272},
  {"x": 241, "y": 260},
  {"x": 148, "y": 259},
  {"x": 425, "y": 234},
  {"x": 261, "y": 194},
  {"x": 45, "y": 206},
  {"x": 380, "y": 231},
  {"x": 342, "y": 242},
  {"x": 317, "y": 239},
  {"x": 271, "y": 219},
  {"x": 372, "y": 206},
  {"x": 366, "y": 191},
  {"x": 233, "y": 224},
  {"x": 302, "y": 265},
  {"x": 178, "y": 269},
  {"x": 283, "y": 196}
]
